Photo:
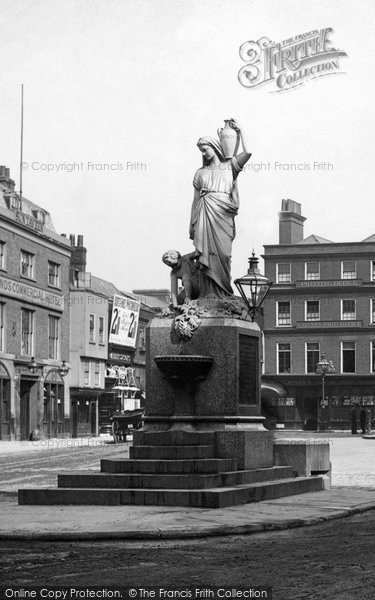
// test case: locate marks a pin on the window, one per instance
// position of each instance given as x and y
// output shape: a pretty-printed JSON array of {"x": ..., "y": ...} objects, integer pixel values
[
  {"x": 97, "y": 373},
  {"x": 92, "y": 328},
  {"x": 283, "y": 357},
  {"x": 101, "y": 330},
  {"x": 14, "y": 201},
  {"x": 312, "y": 310},
  {"x": 372, "y": 272},
  {"x": 348, "y": 269},
  {"x": 27, "y": 322},
  {"x": 40, "y": 215},
  {"x": 86, "y": 372},
  {"x": 53, "y": 274},
  {"x": 372, "y": 357},
  {"x": 372, "y": 311},
  {"x": 53, "y": 337},
  {"x": 2, "y": 326},
  {"x": 348, "y": 357},
  {"x": 283, "y": 273},
  {"x": 2, "y": 256},
  {"x": 312, "y": 356},
  {"x": 312, "y": 270},
  {"x": 283, "y": 313},
  {"x": 142, "y": 339},
  {"x": 348, "y": 310},
  {"x": 5, "y": 399},
  {"x": 27, "y": 264}
]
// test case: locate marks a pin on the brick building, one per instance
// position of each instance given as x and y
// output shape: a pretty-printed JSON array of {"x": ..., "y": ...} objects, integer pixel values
[
  {"x": 88, "y": 343},
  {"x": 322, "y": 301},
  {"x": 95, "y": 355},
  {"x": 34, "y": 319}
]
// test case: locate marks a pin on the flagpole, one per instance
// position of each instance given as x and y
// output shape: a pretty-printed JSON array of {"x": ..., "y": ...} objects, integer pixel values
[{"x": 21, "y": 153}]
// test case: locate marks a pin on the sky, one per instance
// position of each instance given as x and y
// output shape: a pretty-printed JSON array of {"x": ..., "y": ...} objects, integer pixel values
[{"x": 136, "y": 83}]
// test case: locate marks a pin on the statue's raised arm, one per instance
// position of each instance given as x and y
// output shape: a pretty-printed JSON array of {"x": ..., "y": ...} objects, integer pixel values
[{"x": 243, "y": 156}]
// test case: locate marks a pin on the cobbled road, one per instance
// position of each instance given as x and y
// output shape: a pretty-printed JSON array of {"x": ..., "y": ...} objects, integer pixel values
[
  {"x": 334, "y": 561},
  {"x": 331, "y": 561}
]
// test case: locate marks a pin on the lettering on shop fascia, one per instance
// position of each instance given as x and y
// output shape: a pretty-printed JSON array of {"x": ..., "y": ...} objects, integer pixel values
[
  {"x": 325, "y": 324},
  {"x": 301, "y": 381},
  {"x": 329, "y": 283},
  {"x": 29, "y": 293},
  {"x": 118, "y": 356}
]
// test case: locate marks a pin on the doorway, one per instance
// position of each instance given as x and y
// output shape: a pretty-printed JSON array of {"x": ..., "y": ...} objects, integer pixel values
[{"x": 25, "y": 409}]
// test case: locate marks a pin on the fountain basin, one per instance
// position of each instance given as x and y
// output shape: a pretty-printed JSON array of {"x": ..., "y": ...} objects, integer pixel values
[{"x": 184, "y": 367}]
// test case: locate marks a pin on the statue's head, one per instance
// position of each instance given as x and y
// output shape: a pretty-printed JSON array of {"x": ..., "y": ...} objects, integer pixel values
[
  {"x": 209, "y": 146},
  {"x": 171, "y": 257}
]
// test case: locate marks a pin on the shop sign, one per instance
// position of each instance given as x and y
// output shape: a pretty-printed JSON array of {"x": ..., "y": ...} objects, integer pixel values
[
  {"x": 286, "y": 401},
  {"x": 119, "y": 356},
  {"x": 124, "y": 321},
  {"x": 30, "y": 293},
  {"x": 368, "y": 400}
]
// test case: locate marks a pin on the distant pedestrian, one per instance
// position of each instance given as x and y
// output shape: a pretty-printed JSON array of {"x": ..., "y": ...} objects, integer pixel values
[
  {"x": 363, "y": 419},
  {"x": 354, "y": 420},
  {"x": 368, "y": 421}
]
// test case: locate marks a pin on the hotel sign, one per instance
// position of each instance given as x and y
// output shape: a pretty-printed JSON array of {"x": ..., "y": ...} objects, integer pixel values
[
  {"x": 28, "y": 221},
  {"x": 29, "y": 293},
  {"x": 329, "y": 283}
]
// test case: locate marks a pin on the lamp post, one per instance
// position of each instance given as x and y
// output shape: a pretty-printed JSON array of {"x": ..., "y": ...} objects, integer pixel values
[
  {"x": 253, "y": 286},
  {"x": 323, "y": 368},
  {"x": 34, "y": 367}
]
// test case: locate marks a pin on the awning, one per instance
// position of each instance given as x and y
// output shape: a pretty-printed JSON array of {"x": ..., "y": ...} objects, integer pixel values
[{"x": 272, "y": 388}]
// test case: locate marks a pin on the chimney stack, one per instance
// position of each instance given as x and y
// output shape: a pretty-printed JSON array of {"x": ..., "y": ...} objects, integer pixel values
[
  {"x": 5, "y": 178},
  {"x": 290, "y": 222},
  {"x": 78, "y": 257}
]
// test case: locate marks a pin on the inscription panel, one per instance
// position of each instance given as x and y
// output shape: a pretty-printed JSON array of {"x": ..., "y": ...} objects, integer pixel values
[{"x": 248, "y": 369}]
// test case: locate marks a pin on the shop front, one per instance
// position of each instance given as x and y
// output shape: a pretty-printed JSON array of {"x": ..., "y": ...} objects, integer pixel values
[
  {"x": 5, "y": 426},
  {"x": 299, "y": 403},
  {"x": 53, "y": 405},
  {"x": 84, "y": 412}
]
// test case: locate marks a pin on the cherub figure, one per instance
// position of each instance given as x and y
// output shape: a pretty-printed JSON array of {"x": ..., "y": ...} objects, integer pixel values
[{"x": 183, "y": 268}]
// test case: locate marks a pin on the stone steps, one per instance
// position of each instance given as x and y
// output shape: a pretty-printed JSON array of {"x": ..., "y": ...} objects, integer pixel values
[
  {"x": 219, "y": 497},
  {"x": 202, "y": 465},
  {"x": 89, "y": 479},
  {"x": 173, "y": 438},
  {"x": 172, "y": 452}
]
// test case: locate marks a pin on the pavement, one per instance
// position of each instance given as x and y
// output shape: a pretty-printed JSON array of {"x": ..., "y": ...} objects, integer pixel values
[{"x": 353, "y": 492}]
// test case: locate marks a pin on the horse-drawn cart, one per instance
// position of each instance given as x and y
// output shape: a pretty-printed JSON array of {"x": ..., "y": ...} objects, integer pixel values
[{"x": 123, "y": 423}]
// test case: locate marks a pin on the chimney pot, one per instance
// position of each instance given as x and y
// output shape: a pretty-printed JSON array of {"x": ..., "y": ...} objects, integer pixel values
[
  {"x": 290, "y": 222},
  {"x": 80, "y": 240}
]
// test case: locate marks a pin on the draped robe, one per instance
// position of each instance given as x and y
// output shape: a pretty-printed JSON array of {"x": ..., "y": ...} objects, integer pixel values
[{"x": 212, "y": 227}]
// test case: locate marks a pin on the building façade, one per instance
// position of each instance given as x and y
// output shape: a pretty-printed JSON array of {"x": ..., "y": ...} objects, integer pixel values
[
  {"x": 322, "y": 302},
  {"x": 98, "y": 356},
  {"x": 34, "y": 319}
]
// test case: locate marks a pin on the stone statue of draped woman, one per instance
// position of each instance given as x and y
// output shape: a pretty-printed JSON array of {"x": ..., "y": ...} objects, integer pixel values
[{"x": 214, "y": 208}]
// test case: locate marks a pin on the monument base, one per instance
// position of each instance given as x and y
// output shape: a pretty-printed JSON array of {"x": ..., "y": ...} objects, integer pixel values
[
  {"x": 203, "y": 443},
  {"x": 181, "y": 468}
]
